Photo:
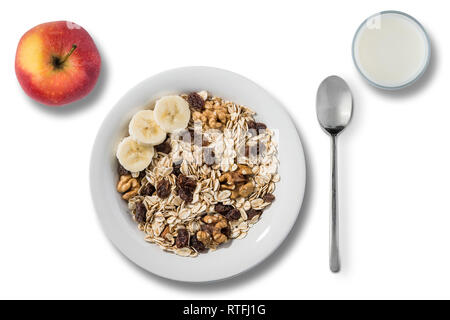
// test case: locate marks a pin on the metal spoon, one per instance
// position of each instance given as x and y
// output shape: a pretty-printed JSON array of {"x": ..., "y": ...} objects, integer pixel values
[{"x": 334, "y": 107}]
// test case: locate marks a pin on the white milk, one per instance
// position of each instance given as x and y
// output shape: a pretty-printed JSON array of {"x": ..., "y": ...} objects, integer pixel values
[{"x": 391, "y": 49}]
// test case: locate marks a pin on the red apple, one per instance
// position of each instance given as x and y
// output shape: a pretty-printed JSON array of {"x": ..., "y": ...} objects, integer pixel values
[{"x": 57, "y": 63}]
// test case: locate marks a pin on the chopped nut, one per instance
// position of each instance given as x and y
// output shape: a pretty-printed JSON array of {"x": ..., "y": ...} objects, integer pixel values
[
  {"x": 204, "y": 237},
  {"x": 244, "y": 170},
  {"x": 213, "y": 116},
  {"x": 128, "y": 186},
  {"x": 246, "y": 189},
  {"x": 219, "y": 237},
  {"x": 227, "y": 178},
  {"x": 210, "y": 219},
  {"x": 165, "y": 232},
  {"x": 221, "y": 224}
]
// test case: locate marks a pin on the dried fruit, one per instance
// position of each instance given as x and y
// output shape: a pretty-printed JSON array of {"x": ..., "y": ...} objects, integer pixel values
[
  {"x": 223, "y": 209},
  {"x": 182, "y": 238},
  {"x": 252, "y": 212},
  {"x": 163, "y": 189},
  {"x": 226, "y": 231},
  {"x": 260, "y": 126},
  {"x": 186, "y": 187},
  {"x": 122, "y": 171},
  {"x": 196, "y": 102},
  {"x": 148, "y": 190},
  {"x": 269, "y": 197},
  {"x": 234, "y": 214},
  {"x": 197, "y": 244},
  {"x": 164, "y": 147},
  {"x": 185, "y": 195},
  {"x": 186, "y": 183},
  {"x": 251, "y": 125},
  {"x": 140, "y": 213},
  {"x": 176, "y": 169}
]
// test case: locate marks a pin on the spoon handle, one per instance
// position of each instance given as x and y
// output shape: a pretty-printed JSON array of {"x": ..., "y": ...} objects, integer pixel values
[{"x": 335, "y": 264}]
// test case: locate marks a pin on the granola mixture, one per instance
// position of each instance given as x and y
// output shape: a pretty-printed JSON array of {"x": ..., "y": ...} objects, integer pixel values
[{"x": 206, "y": 184}]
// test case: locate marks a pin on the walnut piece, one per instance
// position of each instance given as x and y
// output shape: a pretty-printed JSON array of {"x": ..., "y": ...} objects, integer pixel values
[
  {"x": 204, "y": 237},
  {"x": 210, "y": 219},
  {"x": 214, "y": 116},
  {"x": 215, "y": 225},
  {"x": 128, "y": 186},
  {"x": 238, "y": 182}
]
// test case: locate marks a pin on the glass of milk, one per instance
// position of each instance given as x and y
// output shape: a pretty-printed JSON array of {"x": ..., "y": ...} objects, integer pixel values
[{"x": 391, "y": 50}]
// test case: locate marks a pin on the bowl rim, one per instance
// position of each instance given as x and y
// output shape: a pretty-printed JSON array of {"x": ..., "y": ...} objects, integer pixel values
[{"x": 107, "y": 226}]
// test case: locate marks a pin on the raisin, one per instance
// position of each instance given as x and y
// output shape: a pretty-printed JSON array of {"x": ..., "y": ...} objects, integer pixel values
[
  {"x": 182, "y": 238},
  {"x": 141, "y": 213},
  {"x": 223, "y": 209},
  {"x": 269, "y": 198},
  {"x": 122, "y": 171},
  {"x": 142, "y": 174},
  {"x": 251, "y": 125},
  {"x": 197, "y": 244},
  {"x": 186, "y": 187},
  {"x": 234, "y": 214},
  {"x": 176, "y": 169},
  {"x": 163, "y": 189},
  {"x": 260, "y": 126},
  {"x": 252, "y": 212},
  {"x": 256, "y": 127},
  {"x": 226, "y": 231},
  {"x": 196, "y": 102},
  {"x": 185, "y": 195},
  {"x": 186, "y": 183},
  {"x": 164, "y": 147},
  {"x": 148, "y": 190}
]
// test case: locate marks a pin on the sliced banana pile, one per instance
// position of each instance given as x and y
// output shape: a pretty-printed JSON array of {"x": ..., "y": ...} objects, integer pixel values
[{"x": 149, "y": 128}]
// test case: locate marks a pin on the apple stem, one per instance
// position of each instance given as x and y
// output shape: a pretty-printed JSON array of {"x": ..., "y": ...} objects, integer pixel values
[{"x": 69, "y": 54}]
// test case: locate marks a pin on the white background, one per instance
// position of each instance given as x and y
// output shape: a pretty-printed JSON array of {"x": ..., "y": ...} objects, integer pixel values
[{"x": 394, "y": 158}]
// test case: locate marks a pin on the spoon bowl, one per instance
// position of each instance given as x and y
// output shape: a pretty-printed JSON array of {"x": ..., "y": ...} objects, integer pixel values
[{"x": 334, "y": 105}]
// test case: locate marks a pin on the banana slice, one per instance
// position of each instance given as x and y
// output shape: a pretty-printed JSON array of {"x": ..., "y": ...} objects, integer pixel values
[
  {"x": 134, "y": 156},
  {"x": 144, "y": 129},
  {"x": 172, "y": 113}
]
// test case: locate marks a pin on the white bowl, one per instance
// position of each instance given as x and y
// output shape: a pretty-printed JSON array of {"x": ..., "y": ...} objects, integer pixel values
[{"x": 240, "y": 255}]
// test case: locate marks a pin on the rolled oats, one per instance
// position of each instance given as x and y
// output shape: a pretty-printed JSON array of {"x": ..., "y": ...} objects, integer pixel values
[{"x": 187, "y": 200}]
